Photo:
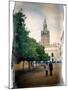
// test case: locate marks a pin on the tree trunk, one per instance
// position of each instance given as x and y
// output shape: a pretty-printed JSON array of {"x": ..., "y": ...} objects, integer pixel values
[
  {"x": 36, "y": 64},
  {"x": 23, "y": 65},
  {"x": 32, "y": 66},
  {"x": 28, "y": 65}
]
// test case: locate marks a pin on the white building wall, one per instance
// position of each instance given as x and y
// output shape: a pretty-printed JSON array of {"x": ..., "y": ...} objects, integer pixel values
[{"x": 55, "y": 51}]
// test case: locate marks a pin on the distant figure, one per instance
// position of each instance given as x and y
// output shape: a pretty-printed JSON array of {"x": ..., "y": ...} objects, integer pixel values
[
  {"x": 50, "y": 68},
  {"x": 47, "y": 69}
]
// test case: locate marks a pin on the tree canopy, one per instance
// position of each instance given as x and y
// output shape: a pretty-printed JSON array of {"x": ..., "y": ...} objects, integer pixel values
[{"x": 25, "y": 47}]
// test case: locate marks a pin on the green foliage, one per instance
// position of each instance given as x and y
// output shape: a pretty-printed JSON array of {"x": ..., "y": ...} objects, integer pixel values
[
  {"x": 31, "y": 53},
  {"x": 41, "y": 53},
  {"x": 20, "y": 34}
]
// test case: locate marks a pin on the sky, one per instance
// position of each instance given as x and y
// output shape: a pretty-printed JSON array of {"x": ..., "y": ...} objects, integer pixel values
[{"x": 36, "y": 13}]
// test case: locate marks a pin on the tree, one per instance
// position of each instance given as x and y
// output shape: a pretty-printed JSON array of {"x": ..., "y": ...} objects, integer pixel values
[
  {"x": 31, "y": 53},
  {"x": 20, "y": 36},
  {"x": 41, "y": 54},
  {"x": 24, "y": 47}
]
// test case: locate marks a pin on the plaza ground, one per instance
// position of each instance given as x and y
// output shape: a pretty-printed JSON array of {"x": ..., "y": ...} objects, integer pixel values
[{"x": 38, "y": 78}]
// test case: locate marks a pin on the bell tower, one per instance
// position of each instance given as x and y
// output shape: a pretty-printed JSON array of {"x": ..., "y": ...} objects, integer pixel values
[{"x": 45, "y": 35}]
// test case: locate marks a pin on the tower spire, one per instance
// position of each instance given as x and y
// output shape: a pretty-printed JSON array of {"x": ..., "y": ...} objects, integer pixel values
[{"x": 44, "y": 25}]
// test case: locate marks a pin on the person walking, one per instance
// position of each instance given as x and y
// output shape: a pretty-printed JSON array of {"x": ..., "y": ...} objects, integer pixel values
[
  {"x": 50, "y": 68},
  {"x": 47, "y": 68}
]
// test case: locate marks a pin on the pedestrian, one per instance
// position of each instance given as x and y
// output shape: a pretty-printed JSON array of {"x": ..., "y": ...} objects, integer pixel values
[
  {"x": 50, "y": 68},
  {"x": 47, "y": 68}
]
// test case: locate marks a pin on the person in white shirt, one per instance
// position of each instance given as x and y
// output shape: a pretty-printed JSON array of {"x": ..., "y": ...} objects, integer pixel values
[{"x": 47, "y": 68}]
